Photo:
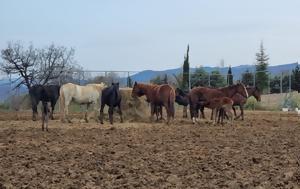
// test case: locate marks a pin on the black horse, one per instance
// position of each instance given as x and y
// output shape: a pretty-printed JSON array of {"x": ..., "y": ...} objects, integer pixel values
[
  {"x": 182, "y": 99},
  {"x": 111, "y": 97},
  {"x": 48, "y": 93}
]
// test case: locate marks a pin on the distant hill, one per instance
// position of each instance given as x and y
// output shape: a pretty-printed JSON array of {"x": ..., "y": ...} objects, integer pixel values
[
  {"x": 5, "y": 90},
  {"x": 147, "y": 75}
]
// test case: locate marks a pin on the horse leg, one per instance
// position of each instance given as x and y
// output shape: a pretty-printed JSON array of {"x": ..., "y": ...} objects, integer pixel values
[
  {"x": 110, "y": 113},
  {"x": 86, "y": 113},
  {"x": 120, "y": 112},
  {"x": 53, "y": 102},
  {"x": 242, "y": 111},
  {"x": 47, "y": 117},
  {"x": 193, "y": 112},
  {"x": 184, "y": 112},
  {"x": 230, "y": 114},
  {"x": 202, "y": 112},
  {"x": 212, "y": 114},
  {"x": 101, "y": 113},
  {"x": 43, "y": 118},
  {"x": 234, "y": 110},
  {"x": 67, "y": 113},
  {"x": 34, "y": 109},
  {"x": 161, "y": 112},
  {"x": 156, "y": 112},
  {"x": 152, "y": 107}
]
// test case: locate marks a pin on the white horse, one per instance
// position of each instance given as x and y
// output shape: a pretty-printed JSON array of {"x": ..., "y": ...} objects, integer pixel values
[{"x": 89, "y": 94}]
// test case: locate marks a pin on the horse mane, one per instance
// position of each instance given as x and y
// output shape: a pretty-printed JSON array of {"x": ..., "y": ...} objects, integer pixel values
[{"x": 98, "y": 86}]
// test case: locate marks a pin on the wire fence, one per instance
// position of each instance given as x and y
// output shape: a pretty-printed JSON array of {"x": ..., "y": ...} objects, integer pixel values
[{"x": 275, "y": 83}]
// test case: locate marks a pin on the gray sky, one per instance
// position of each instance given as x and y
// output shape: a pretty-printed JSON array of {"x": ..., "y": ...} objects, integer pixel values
[{"x": 138, "y": 35}]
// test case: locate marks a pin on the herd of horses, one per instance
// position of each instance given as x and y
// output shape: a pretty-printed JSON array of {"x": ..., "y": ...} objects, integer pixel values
[{"x": 220, "y": 100}]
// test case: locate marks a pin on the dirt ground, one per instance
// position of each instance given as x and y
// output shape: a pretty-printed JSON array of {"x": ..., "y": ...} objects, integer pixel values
[{"x": 260, "y": 152}]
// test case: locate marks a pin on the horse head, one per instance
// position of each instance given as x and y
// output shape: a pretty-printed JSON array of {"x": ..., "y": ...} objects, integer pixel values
[
  {"x": 257, "y": 93},
  {"x": 137, "y": 91},
  {"x": 181, "y": 97},
  {"x": 180, "y": 92},
  {"x": 242, "y": 89},
  {"x": 115, "y": 85}
]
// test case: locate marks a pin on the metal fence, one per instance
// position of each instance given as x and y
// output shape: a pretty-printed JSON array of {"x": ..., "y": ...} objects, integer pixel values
[{"x": 276, "y": 83}]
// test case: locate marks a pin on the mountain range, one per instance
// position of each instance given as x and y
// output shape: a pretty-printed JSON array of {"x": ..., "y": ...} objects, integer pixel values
[
  {"x": 147, "y": 75},
  {"x": 237, "y": 71}
]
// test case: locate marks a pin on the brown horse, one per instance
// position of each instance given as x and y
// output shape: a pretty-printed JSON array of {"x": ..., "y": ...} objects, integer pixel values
[
  {"x": 157, "y": 95},
  {"x": 198, "y": 94},
  {"x": 220, "y": 106},
  {"x": 239, "y": 100}
]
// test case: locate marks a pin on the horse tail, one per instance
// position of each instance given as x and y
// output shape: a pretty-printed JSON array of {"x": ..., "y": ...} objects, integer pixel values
[{"x": 171, "y": 101}]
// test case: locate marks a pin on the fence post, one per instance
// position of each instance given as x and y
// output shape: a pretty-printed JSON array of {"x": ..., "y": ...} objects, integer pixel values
[
  {"x": 254, "y": 78},
  {"x": 290, "y": 81},
  {"x": 269, "y": 83},
  {"x": 189, "y": 80},
  {"x": 281, "y": 82},
  {"x": 209, "y": 79}
]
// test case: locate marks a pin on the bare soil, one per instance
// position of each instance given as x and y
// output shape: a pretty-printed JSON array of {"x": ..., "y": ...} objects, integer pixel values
[{"x": 260, "y": 152}]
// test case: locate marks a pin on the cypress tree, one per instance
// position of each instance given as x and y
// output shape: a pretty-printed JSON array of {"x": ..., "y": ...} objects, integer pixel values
[
  {"x": 247, "y": 78},
  {"x": 296, "y": 78},
  {"x": 229, "y": 76},
  {"x": 261, "y": 78},
  {"x": 186, "y": 70}
]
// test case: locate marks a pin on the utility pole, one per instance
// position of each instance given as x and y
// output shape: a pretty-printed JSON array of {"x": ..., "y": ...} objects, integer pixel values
[{"x": 281, "y": 82}]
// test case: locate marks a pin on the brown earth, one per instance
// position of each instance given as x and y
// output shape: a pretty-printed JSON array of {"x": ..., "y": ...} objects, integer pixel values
[{"x": 260, "y": 152}]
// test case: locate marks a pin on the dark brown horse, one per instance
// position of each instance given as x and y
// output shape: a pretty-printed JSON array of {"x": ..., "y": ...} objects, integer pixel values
[
  {"x": 220, "y": 106},
  {"x": 199, "y": 94},
  {"x": 182, "y": 99},
  {"x": 157, "y": 95},
  {"x": 239, "y": 100}
]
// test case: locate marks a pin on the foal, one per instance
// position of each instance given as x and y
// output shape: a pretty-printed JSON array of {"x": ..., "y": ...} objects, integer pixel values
[{"x": 220, "y": 106}]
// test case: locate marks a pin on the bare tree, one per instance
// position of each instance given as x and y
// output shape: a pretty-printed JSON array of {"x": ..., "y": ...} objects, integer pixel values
[{"x": 36, "y": 66}]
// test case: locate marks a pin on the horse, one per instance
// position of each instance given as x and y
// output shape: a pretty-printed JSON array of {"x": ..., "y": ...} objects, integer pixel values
[
  {"x": 51, "y": 92},
  {"x": 88, "y": 94},
  {"x": 111, "y": 97},
  {"x": 220, "y": 106},
  {"x": 182, "y": 99},
  {"x": 158, "y": 95},
  {"x": 239, "y": 100},
  {"x": 205, "y": 94}
]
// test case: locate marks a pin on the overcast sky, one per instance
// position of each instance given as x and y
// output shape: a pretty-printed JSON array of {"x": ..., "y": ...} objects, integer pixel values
[{"x": 153, "y": 34}]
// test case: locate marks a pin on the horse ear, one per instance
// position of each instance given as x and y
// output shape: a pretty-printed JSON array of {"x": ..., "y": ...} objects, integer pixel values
[{"x": 135, "y": 83}]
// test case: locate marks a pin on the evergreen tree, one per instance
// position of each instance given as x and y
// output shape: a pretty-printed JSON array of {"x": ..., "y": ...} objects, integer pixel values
[
  {"x": 159, "y": 80},
  {"x": 186, "y": 70},
  {"x": 156, "y": 80},
  {"x": 199, "y": 78},
  {"x": 229, "y": 76},
  {"x": 129, "y": 81},
  {"x": 261, "y": 78},
  {"x": 247, "y": 78},
  {"x": 165, "y": 79},
  {"x": 216, "y": 79},
  {"x": 275, "y": 84},
  {"x": 296, "y": 79}
]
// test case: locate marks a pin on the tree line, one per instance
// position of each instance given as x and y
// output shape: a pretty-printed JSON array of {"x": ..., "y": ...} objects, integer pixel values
[
  {"x": 260, "y": 77},
  {"x": 55, "y": 65}
]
